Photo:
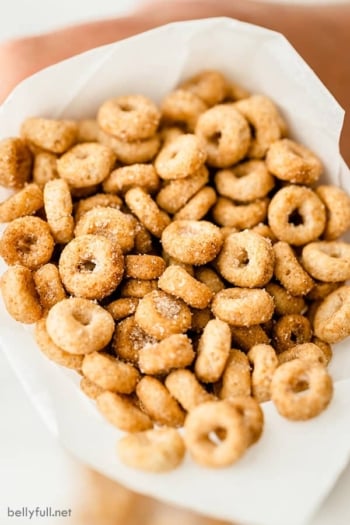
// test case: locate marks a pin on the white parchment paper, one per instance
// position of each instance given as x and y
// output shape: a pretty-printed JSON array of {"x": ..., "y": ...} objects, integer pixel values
[{"x": 282, "y": 479}]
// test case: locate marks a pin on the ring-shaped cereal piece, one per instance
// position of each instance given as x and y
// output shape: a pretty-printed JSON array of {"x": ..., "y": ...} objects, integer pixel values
[
  {"x": 331, "y": 321},
  {"x": 79, "y": 326},
  {"x": 236, "y": 92},
  {"x": 55, "y": 136},
  {"x": 292, "y": 162},
  {"x": 176, "y": 193},
  {"x": 143, "y": 239},
  {"x": 99, "y": 200},
  {"x": 246, "y": 260},
  {"x": 137, "y": 288},
  {"x": 26, "y": 202},
  {"x": 147, "y": 211},
  {"x": 58, "y": 209},
  {"x": 291, "y": 330},
  {"x": 131, "y": 152},
  {"x": 19, "y": 295},
  {"x": 123, "y": 179},
  {"x": 110, "y": 373},
  {"x": 123, "y": 307},
  {"x": 209, "y": 85},
  {"x": 49, "y": 286},
  {"x": 129, "y": 339},
  {"x": 244, "y": 337},
  {"x": 265, "y": 231},
  {"x": 293, "y": 376},
  {"x": 209, "y": 418},
  {"x": 240, "y": 216},
  {"x": 44, "y": 168},
  {"x": 161, "y": 315},
  {"x": 243, "y": 306},
  {"x": 87, "y": 130},
  {"x": 192, "y": 242},
  {"x": 252, "y": 415},
  {"x": 285, "y": 303},
  {"x": 337, "y": 203},
  {"x": 91, "y": 266},
  {"x": 213, "y": 351},
  {"x": 144, "y": 266},
  {"x": 176, "y": 281},
  {"x": 236, "y": 381},
  {"x": 130, "y": 117},
  {"x": 327, "y": 261},
  {"x": 156, "y": 400},
  {"x": 246, "y": 182},
  {"x": 305, "y": 352},
  {"x": 186, "y": 389},
  {"x": 182, "y": 107},
  {"x": 108, "y": 222},
  {"x": 157, "y": 450},
  {"x": 89, "y": 388},
  {"x": 320, "y": 290},
  {"x": 181, "y": 157},
  {"x": 265, "y": 120},
  {"x": 296, "y": 215},
  {"x": 173, "y": 352},
  {"x": 121, "y": 412},
  {"x": 27, "y": 241},
  {"x": 197, "y": 207},
  {"x": 86, "y": 164},
  {"x": 326, "y": 349},
  {"x": 54, "y": 352},
  {"x": 15, "y": 163},
  {"x": 209, "y": 277},
  {"x": 264, "y": 361},
  {"x": 226, "y": 135},
  {"x": 289, "y": 271}
]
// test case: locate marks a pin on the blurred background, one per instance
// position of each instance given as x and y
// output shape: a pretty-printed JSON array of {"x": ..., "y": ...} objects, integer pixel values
[{"x": 34, "y": 469}]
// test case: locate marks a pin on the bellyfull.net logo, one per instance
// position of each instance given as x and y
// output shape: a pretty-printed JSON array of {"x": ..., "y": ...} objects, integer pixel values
[{"x": 38, "y": 512}]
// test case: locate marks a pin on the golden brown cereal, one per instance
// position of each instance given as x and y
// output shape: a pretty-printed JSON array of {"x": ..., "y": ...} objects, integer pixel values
[
  {"x": 246, "y": 260},
  {"x": 296, "y": 215},
  {"x": 252, "y": 415},
  {"x": 58, "y": 210},
  {"x": 123, "y": 179},
  {"x": 226, "y": 134},
  {"x": 291, "y": 330},
  {"x": 331, "y": 322},
  {"x": 56, "y": 136},
  {"x": 131, "y": 152},
  {"x": 157, "y": 450},
  {"x": 192, "y": 242},
  {"x": 289, "y": 271},
  {"x": 285, "y": 303},
  {"x": 185, "y": 388},
  {"x": 27, "y": 241},
  {"x": 168, "y": 134},
  {"x": 265, "y": 231},
  {"x": 54, "y": 352},
  {"x": 172, "y": 260},
  {"x": 121, "y": 308},
  {"x": 128, "y": 118},
  {"x": 99, "y": 200},
  {"x": 264, "y": 361},
  {"x": 292, "y": 162},
  {"x": 176, "y": 193},
  {"x": 227, "y": 230},
  {"x": 321, "y": 290},
  {"x": 15, "y": 163},
  {"x": 158, "y": 403},
  {"x": 246, "y": 182},
  {"x": 243, "y": 306},
  {"x": 236, "y": 92},
  {"x": 327, "y": 261},
  {"x": 122, "y": 413},
  {"x": 264, "y": 119},
  {"x": 209, "y": 277},
  {"x": 236, "y": 380},
  {"x": 244, "y": 337},
  {"x": 337, "y": 203},
  {"x": 176, "y": 281},
  {"x": 197, "y": 207},
  {"x": 147, "y": 211},
  {"x": 88, "y": 130},
  {"x": 79, "y": 326},
  {"x": 91, "y": 266},
  {"x": 240, "y": 216},
  {"x": 86, "y": 164},
  {"x": 129, "y": 339},
  {"x": 26, "y": 202},
  {"x": 143, "y": 239},
  {"x": 49, "y": 285},
  {"x": 117, "y": 226},
  {"x": 144, "y": 266},
  {"x": 19, "y": 295},
  {"x": 173, "y": 352},
  {"x": 208, "y": 418},
  {"x": 325, "y": 347},
  {"x": 82, "y": 193},
  {"x": 213, "y": 351},
  {"x": 209, "y": 85},
  {"x": 137, "y": 288},
  {"x": 305, "y": 352},
  {"x": 109, "y": 373},
  {"x": 182, "y": 107},
  {"x": 290, "y": 378},
  {"x": 44, "y": 168},
  {"x": 200, "y": 319},
  {"x": 160, "y": 315},
  {"x": 311, "y": 311},
  {"x": 90, "y": 389},
  {"x": 181, "y": 157}
]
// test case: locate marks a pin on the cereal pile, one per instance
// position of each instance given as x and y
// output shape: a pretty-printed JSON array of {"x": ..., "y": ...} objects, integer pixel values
[{"x": 183, "y": 262}]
